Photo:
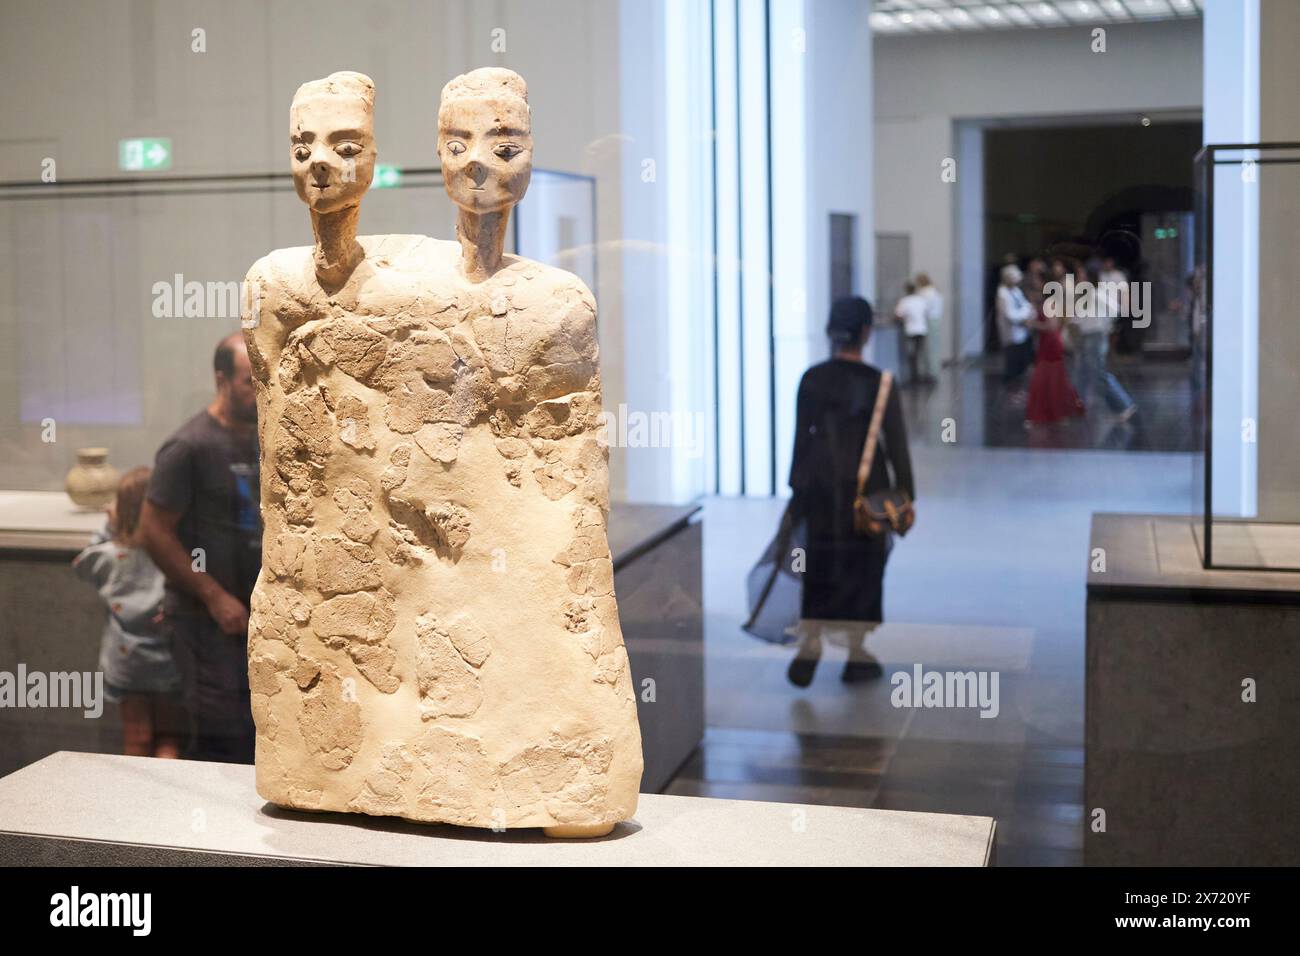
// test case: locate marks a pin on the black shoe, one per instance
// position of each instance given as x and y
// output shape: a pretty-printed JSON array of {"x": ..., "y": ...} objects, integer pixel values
[
  {"x": 802, "y": 669},
  {"x": 857, "y": 671}
]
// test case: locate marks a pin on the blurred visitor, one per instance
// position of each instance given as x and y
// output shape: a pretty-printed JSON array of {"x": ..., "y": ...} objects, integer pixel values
[
  {"x": 1093, "y": 350},
  {"x": 1051, "y": 396},
  {"x": 934, "y": 320},
  {"x": 1196, "y": 322},
  {"x": 913, "y": 312},
  {"x": 844, "y": 575},
  {"x": 202, "y": 527},
  {"x": 1014, "y": 314},
  {"x": 1112, "y": 275},
  {"x": 1035, "y": 279},
  {"x": 134, "y": 654}
]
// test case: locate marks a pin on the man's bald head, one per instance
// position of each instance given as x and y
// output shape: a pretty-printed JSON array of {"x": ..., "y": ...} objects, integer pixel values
[
  {"x": 223, "y": 359},
  {"x": 236, "y": 394}
]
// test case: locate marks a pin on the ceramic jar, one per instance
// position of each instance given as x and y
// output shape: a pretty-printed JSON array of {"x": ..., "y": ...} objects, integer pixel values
[{"x": 92, "y": 482}]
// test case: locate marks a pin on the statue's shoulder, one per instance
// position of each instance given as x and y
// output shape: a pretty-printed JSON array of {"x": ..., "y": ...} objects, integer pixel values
[
  {"x": 407, "y": 251},
  {"x": 281, "y": 286},
  {"x": 554, "y": 282},
  {"x": 277, "y": 269}
]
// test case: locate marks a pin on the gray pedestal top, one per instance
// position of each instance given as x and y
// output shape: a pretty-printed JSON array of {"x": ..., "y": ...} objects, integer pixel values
[
  {"x": 76, "y": 808},
  {"x": 39, "y": 521},
  {"x": 1156, "y": 557},
  {"x": 47, "y": 522}
]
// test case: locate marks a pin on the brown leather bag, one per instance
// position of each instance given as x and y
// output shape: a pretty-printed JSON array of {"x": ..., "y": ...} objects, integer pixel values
[{"x": 890, "y": 510}]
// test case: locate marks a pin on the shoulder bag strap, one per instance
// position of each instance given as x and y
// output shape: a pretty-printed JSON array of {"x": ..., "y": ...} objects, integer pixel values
[{"x": 873, "y": 431}]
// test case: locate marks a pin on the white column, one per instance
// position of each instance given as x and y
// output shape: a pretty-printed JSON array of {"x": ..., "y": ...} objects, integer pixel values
[{"x": 1231, "y": 115}]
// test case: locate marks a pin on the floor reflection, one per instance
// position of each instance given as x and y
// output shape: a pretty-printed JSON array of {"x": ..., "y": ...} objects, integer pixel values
[
  {"x": 992, "y": 579},
  {"x": 987, "y": 413}
]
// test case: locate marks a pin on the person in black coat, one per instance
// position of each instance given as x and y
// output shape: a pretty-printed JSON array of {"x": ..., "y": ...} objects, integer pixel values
[{"x": 844, "y": 573}]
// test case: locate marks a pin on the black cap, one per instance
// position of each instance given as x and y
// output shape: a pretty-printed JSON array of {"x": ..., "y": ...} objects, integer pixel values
[{"x": 850, "y": 317}]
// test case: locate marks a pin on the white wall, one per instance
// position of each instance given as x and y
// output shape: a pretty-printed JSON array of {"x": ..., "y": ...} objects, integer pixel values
[
  {"x": 1279, "y": 282},
  {"x": 924, "y": 83},
  {"x": 657, "y": 168},
  {"x": 1232, "y": 92},
  {"x": 833, "y": 175},
  {"x": 805, "y": 81},
  {"x": 1250, "y": 83}
]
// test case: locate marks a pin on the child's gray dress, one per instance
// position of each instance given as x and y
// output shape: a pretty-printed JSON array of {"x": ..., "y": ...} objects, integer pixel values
[{"x": 134, "y": 652}]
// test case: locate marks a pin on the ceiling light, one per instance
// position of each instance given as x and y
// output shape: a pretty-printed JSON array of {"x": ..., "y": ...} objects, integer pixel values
[
  {"x": 1046, "y": 13},
  {"x": 1018, "y": 16},
  {"x": 921, "y": 16},
  {"x": 992, "y": 16},
  {"x": 1149, "y": 8},
  {"x": 883, "y": 23},
  {"x": 960, "y": 19},
  {"x": 933, "y": 20}
]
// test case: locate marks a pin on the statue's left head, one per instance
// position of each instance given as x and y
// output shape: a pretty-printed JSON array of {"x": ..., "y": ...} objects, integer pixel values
[{"x": 332, "y": 137}]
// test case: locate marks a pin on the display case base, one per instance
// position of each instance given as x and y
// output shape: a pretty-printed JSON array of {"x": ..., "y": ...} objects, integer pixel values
[
  {"x": 75, "y": 809},
  {"x": 1191, "y": 753}
]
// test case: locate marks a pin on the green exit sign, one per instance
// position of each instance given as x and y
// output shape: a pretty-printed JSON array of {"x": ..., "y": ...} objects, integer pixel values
[
  {"x": 138, "y": 155},
  {"x": 387, "y": 177}
]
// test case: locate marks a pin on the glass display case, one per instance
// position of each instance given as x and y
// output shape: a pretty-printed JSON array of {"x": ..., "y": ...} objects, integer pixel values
[
  {"x": 121, "y": 275},
  {"x": 1241, "y": 301}
]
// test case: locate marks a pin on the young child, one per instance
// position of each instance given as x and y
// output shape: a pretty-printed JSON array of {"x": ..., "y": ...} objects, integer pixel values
[{"x": 134, "y": 653}]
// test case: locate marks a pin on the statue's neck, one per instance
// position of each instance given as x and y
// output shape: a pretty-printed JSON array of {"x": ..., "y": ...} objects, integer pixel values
[
  {"x": 482, "y": 239},
  {"x": 337, "y": 251}
]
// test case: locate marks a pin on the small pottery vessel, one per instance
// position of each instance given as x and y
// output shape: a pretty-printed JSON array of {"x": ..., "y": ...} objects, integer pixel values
[{"x": 92, "y": 482}]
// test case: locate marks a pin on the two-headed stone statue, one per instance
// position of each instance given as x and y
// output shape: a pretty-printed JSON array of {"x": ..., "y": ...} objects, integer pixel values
[{"x": 434, "y": 634}]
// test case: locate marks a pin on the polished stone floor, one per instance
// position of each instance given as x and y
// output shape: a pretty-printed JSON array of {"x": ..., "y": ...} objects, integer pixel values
[
  {"x": 991, "y": 579},
  {"x": 983, "y": 409}
]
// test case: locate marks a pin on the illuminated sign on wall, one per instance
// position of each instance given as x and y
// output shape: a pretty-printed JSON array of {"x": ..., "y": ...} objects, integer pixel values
[
  {"x": 143, "y": 155},
  {"x": 387, "y": 177}
]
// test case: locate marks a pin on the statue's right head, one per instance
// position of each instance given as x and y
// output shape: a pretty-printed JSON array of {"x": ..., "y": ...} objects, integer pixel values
[
  {"x": 332, "y": 140},
  {"x": 485, "y": 139}
]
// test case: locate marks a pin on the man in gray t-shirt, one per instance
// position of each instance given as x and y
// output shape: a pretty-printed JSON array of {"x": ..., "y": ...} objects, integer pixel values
[{"x": 202, "y": 527}]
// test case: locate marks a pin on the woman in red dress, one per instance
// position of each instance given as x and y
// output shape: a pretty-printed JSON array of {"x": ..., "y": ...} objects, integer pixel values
[{"x": 1051, "y": 396}]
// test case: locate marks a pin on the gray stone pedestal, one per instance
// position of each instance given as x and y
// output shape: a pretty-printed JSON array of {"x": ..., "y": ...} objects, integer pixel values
[
  {"x": 85, "y": 809},
  {"x": 1185, "y": 770}
]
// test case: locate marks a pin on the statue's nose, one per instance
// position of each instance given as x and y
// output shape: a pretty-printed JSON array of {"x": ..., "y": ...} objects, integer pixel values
[{"x": 320, "y": 171}]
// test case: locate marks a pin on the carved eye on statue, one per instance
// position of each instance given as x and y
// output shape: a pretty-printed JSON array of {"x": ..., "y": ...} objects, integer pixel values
[
  {"x": 455, "y": 147},
  {"x": 508, "y": 150},
  {"x": 348, "y": 150},
  {"x": 301, "y": 153}
]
